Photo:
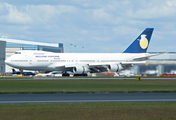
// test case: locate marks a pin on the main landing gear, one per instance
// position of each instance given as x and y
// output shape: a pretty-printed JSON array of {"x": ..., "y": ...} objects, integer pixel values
[
  {"x": 80, "y": 74},
  {"x": 65, "y": 74}
]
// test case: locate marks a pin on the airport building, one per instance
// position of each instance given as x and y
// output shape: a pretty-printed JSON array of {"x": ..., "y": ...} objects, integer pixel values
[
  {"x": 8, "y": 47},
  {"x": 156, "y": 65},
  {"x": 2, "y": 56}
]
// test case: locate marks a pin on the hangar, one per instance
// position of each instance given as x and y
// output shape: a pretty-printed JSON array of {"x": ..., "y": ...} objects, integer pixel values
[{"x": 9, "y": 46}]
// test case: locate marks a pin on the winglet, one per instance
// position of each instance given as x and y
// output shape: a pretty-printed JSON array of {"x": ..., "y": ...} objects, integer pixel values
[{"x": 141, "y": 43}]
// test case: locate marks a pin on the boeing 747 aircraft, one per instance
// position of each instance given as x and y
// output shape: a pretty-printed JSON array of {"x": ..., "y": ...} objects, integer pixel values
[{"x": 82, "y": 63}]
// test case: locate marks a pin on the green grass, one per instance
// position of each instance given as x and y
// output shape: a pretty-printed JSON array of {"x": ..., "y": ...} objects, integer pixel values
[
  {"x": 85, "y": 86},
  {"x": 90, "y": 111},
  {"x": 87, "y": 111}
]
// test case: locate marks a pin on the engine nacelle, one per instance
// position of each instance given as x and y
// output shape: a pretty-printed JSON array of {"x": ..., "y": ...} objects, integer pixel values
[
  {"x": 115, "y": 67},
  {"x": 80, "y": 70}
]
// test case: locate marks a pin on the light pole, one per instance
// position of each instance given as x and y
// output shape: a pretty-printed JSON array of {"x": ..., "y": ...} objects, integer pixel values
[
  {"x": 82, "y": 49},
  {"x": 75, "y": 48},
  {"x": 70, "y": 47}
]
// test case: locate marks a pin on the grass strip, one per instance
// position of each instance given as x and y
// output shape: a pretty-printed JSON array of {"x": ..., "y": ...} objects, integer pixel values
[
  {"x": 86, "y": 86},
  {"x": 90, "y": 111},
  {"x": 74, "y": 92}
]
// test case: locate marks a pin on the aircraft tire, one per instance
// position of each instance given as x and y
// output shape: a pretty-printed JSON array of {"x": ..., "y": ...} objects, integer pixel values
[
  {"x": 65, "y": 74},
  {"x": 80, "y": 74}
]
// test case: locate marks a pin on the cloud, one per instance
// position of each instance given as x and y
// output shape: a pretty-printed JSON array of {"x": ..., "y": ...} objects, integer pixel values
[
  {"x": 12, "y": 15},
  {"x": 153, "y": 10},
  {"x": 98, "y": 24},
  {"x": 44, "y": 14}
]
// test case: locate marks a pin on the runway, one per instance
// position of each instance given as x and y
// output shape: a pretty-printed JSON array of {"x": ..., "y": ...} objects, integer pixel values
[
  {"x": 90, "y": 78},
  {"x": 96, "y": 97},
  {"x": 97, "y": 78}
]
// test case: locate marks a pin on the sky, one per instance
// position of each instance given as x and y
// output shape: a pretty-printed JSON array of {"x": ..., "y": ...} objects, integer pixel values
[{"x": 90, "y": 26}]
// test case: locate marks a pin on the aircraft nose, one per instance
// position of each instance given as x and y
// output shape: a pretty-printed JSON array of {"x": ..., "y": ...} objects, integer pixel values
[{"x": 7, "y": 61}]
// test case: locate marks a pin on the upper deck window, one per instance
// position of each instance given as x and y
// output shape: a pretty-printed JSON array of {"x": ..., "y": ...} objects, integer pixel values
[{"x": 18, "y": 53}]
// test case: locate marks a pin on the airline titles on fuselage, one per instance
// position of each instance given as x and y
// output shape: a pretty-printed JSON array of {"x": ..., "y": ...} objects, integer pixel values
[{"x": 43, "y": 56}]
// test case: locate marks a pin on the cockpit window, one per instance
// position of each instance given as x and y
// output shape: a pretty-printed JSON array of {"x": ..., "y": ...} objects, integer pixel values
[{"x": 18, "y": 53}]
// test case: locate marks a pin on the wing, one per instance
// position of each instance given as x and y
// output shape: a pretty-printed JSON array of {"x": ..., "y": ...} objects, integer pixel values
[
  {"x": 113, "y": 67},
  {"x": 83, "y": 68},
  {"x": 98, "y": 67}
]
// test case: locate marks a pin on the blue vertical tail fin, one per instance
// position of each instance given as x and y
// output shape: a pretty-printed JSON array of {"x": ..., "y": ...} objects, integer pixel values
[{"x": 141, "y": 43}]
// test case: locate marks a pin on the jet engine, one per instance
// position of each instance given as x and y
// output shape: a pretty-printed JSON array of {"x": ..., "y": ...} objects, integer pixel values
[
  {"x": 80, "y": 70},
  {"x": 115, "y": 67}
]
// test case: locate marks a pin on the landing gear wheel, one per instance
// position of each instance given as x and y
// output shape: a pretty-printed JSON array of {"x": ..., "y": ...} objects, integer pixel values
[
  {"x": 80, "y": 74},
  {"x": 65, "y": 74}
]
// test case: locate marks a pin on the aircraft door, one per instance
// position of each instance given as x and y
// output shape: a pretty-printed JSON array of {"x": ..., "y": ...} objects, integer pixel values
[
  {"x": 76, "y": 60},
  {"x": 30, "y": 61}
]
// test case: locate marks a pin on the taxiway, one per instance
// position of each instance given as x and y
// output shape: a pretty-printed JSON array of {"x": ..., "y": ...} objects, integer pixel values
[{"x": 96, "y": 97}]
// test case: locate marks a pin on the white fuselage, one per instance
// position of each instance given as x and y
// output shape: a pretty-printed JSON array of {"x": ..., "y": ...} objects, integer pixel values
[
  {"x": 83, "y": 63},
  {"x": 48, "y": 61}
]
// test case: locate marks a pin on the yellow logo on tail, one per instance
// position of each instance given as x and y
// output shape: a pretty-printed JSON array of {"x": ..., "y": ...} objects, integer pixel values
[{"x": 143, "y": 42}]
